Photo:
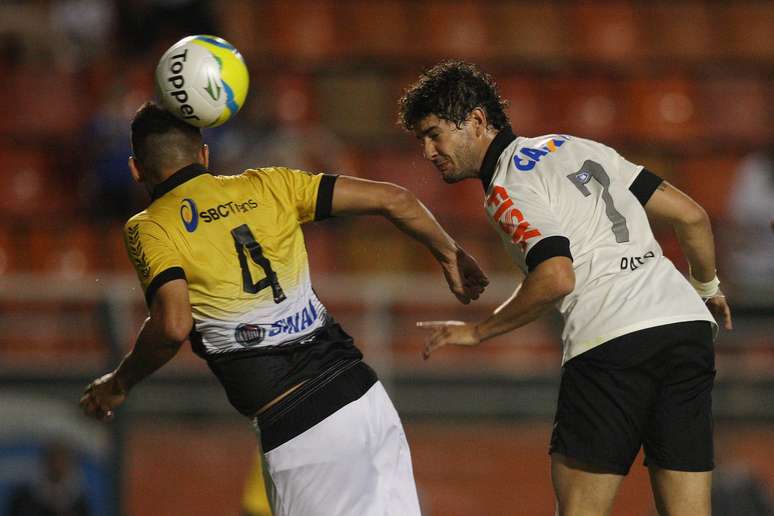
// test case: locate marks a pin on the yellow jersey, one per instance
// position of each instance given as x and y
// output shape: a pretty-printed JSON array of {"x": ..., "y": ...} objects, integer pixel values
[{"x": 238, "y": 243}]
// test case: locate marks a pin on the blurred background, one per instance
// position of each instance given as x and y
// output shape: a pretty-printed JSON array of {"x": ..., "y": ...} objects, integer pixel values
[{"x": 685, "y": 88}]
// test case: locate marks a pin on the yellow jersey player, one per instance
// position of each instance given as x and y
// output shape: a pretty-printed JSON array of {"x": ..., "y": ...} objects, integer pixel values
[{"x": 223, "y": 264}]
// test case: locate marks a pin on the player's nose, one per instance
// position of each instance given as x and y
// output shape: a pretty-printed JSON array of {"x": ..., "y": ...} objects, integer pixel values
[{"x": 428, "y": 149}]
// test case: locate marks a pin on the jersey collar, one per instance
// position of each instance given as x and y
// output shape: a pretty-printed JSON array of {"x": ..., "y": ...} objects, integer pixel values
[
  {"x": 498, "y": 145},
  {"x": 178, "y": 178}
]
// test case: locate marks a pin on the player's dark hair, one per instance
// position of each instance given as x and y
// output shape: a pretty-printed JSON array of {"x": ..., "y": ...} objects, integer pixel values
[
  {"x": 450, "y": 90},
  {"x": 161, "y": 141}
]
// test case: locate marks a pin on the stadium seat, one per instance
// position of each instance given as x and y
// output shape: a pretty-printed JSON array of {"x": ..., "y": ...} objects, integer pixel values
[
  {"x": 662, "y": 110},
  {"x": 708, "y": 180},
  {"x": 356, "y": 105},
  {"x": 452, "y": 30},
  {"x": 530, "y": 111},
  {"x": 112, "y": 244},
  {"x": 241, "y": 20},
  {"x": 739, "y": 109},
  {"x": 376, "y": 29},
  {"x": 308, "y": 37},
  {"x": 680, "y": 31},
  {"x": 9, "y": 260},
  {"x": 586, "y": 107},
  {"x": 70, "y": 251},
  {"x": 534, "y": 31},
  {"x": 605, "y": 32},
  {"x": 31, "y": 185},
  {"x": 52, "y": 106},
  {"x": 747, "y": 31}
]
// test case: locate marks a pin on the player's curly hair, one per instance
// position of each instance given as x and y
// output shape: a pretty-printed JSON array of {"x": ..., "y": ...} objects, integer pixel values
[
  {"x": 160, "y": 140},
  {"x": 450, "y": 90}
]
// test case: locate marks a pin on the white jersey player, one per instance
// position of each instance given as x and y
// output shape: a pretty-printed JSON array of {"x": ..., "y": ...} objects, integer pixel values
[
  {"x": 567, "y": 195},
  {"x": 638, "y": 362}
]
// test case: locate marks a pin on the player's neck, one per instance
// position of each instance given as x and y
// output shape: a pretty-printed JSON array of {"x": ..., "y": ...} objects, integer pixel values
[{"x": 483, "y": 145}]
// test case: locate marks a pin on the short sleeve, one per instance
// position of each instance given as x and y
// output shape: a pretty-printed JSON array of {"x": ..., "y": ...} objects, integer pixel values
[
  {"x": 152, "y": 254},
  {"x": 309, "y": 195},
  {"x": 627, "y": 170},
  {"x": 526, "y": 218}
]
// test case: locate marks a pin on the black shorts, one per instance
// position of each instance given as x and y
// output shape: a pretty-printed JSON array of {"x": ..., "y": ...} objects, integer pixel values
[{"x": 650, "y": 388}]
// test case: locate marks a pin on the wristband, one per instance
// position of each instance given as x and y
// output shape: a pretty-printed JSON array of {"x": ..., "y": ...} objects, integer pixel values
[{"x": 705, "y": 290}]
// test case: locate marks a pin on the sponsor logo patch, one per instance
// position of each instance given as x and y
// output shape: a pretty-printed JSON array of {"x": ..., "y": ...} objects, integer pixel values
[
  {"x": 249, "y": 334},
  {"x": 189, "y": 215}
]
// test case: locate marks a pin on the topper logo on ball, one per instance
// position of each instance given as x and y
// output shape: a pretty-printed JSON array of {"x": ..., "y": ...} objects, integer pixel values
[{"x": 176, "y": 66}]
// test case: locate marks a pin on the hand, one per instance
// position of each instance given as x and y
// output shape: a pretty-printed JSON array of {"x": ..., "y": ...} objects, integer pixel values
[
  {"x": 102, "y": 396},
  {"x": 442, "y": 333},
  {"x": 719, "y": 307},
  {"x": 465, "y": 278}
]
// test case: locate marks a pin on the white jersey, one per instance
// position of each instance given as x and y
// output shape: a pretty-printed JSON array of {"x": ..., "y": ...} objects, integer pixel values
[{"x": 547, "y": 192}]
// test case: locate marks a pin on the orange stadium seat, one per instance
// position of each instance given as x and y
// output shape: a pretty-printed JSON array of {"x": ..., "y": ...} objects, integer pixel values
[
  {"x": 356, "y": 104},
  {"x": 67, "y": 251},
  {"x": 708, "y": 180},
  {"x": 739, "y": 109},
  {"x": 535, "y": 31},
  {"x": 606, "y": 32},
  {"x": 680, "y": 31},
  {"x": 662, "y": 110},
  {"x": 51, "y": 100},
  {"x": 310, "y": 36},
  {"x": 530, "y": 110},
  {"x": 748, "y": 30},
  {"x": 9, "y": 251},
  {"x": 241, "y": 21},
  {"x": 587, "y": 107},
  {"x": 452, "y": 29},
  {"x": 30, "y": 184},
  {"x": 112, "y": 244},
  {"x": 376, "y": 29}
]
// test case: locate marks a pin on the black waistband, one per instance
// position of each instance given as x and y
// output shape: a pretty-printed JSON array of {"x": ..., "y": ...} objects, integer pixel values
[{"x": 314, "y": 401}]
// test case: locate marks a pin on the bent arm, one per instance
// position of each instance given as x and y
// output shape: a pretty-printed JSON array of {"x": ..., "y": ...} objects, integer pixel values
[
  {"x": 353, "y": 196},
  {"x": 550, "y": 281},
  {"x": 691, "y": 225},
  {"x": 161, "y": 335}
]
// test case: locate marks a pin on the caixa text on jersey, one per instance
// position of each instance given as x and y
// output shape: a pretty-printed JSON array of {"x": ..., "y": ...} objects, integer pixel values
[{"x": 221, "y": 211}]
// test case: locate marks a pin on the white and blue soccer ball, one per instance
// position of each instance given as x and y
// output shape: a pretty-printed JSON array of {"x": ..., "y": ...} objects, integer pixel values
[{"x": 202, "y": 80}]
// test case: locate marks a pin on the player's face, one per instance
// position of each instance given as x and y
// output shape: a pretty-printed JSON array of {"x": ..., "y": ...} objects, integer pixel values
[{"x": 449, "y": 147}]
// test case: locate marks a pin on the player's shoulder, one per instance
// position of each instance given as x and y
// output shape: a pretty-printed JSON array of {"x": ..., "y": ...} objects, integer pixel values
[
  {"x": 138, "y": 219},
  {"x": 272, "y": 173},
  {"x": 144, "y": 222}
]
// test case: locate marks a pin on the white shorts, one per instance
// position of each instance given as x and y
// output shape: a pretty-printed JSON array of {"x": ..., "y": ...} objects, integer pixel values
[{"x": 355, "y": 462}]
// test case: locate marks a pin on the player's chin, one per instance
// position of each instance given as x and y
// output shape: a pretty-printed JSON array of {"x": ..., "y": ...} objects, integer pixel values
[{"x": 450, "y": 178}]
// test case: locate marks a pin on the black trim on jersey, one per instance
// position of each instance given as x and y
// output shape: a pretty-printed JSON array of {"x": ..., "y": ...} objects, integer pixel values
[
  {"x": 178, "y": 178},
  {"x": 498, "y": 145},
  {"x": 325, "y": 197},
  {"x": 164, "y": 276},
  {"x": 548, "y": 248},
  {"x": 645, "y": 185},
  {"x": 314, "y": 401},
  {"x": 256, "y": 375}
]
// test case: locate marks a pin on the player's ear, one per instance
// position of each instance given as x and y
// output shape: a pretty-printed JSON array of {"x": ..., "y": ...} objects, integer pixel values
[
  {"x": 134, "y": 168},
  {"x": 204, "y": 155},
  {"x": 478, "y": 119}
]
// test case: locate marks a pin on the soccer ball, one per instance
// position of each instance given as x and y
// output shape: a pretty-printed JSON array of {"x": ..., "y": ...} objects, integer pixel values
[{"x": 202, "y": 80}]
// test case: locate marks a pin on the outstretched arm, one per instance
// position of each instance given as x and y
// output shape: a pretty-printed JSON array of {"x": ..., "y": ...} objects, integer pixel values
[
  {"x": 352, "y": 196},
  {"x": 159, "y": 340},
  {"x": 694, "y": 234},
  {"x": 551, "y": 280}
]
